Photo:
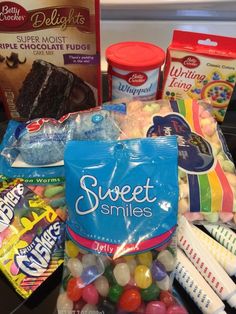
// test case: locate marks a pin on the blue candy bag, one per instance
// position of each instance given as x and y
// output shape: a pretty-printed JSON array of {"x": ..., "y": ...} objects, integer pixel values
[{"x": 122, "y": 199}]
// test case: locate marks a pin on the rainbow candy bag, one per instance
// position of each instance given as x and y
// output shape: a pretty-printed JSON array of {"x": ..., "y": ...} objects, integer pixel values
[
  {"x": 31, "y": 238},
  {"x": 207, "y": 177},
  {"x": 120, "y": 232}
]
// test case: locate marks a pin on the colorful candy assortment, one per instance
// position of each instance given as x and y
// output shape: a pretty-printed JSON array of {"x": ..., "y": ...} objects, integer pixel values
[
  {"x": 201, "y": 66},
  {"x": 131, "y": 284},
  {"x": 129, "y": 268},
  {"x": 207, "y": 179},
  {"x": 31, "y": 238}
]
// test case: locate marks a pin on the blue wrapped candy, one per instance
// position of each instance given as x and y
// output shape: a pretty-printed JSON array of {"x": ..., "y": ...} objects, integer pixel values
[{"x": 41, "y": 142}]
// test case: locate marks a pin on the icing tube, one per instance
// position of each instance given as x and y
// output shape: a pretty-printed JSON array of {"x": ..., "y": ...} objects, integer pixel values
[
  {"x": 226, "y": 259},
  {"x": 197, "y": 288},
  {"x": 223, "y": 235},
  {"x": 205, "y": 263}
]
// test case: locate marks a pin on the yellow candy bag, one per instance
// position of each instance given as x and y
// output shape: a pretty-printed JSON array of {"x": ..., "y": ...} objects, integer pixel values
[{"x": 31, "y": 238}]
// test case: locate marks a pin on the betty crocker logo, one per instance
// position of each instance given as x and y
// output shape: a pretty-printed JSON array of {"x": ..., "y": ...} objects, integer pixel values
[
  {"x": 136, "y": 78},
  {"x": 191, "y": 62},
  {"x": 12, "y": 14}
]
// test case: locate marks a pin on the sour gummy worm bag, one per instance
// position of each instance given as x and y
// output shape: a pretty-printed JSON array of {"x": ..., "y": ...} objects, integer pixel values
[{"x": 122, "y": 199}]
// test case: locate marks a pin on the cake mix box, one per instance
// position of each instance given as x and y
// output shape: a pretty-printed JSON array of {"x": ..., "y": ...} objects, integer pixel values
[
  {"x": 49, "y": 57},
  {"x": 201, "y": 66}
]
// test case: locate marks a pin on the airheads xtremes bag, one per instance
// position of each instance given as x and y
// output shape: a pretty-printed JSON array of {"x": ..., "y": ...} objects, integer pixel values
[{"x": 122, "y": 213}]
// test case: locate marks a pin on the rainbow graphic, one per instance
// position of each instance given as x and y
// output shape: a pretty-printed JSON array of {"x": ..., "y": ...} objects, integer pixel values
[{"x": 211, "y": 191}]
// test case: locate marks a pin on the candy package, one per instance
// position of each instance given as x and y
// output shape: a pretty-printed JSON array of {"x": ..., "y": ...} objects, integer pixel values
[
  {"x": 41, "y": 142},
  {"x": 207, "y": 178},
  {"x": 47, "y": 182},
  {"x": 201, "y": 66},
  {"x": 122, "y": 216},
  {"x": 31, "y": 237},
  {"x": 34, "y": 150}
]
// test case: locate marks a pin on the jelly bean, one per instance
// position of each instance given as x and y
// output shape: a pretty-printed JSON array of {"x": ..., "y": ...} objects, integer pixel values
[
  {"x": 158, "y": 270},
  {"x": 102, "y": 286},
  {"x": 115, "y": 292},
  {"x": 167, "y": 298},
  {"x": 90, "y": 294},
  {"x": 89, "y": 260},
  {"x": 71, "y": 249},
  {"x": 167, "y": 259},
  {"x": 108, "y": 273},
  {"x": 89, "y": 274},
  {"x": 151, "y": 293},
  {"x": 142, "y": 276},
  {"x": 130, "y": 300},
  {"x": 145, "y": 258},
  {"x": 164, "y": 284},
  {"x": 132, "y": 265},
  {"x": 122, "y": 274},
  {"x": 64, "y": 303},
  {"x": 106, "y": 307},
  {"x": 176, "y": 309},
  {"x": 75, "y": 267},
  {"x": 88, "y": 309},
  {"x": 74, "y": 291},
  {"x": 105, "y": 260},
  {"x": 155, "y": 307},
  {"x": 54, "y": 190}
]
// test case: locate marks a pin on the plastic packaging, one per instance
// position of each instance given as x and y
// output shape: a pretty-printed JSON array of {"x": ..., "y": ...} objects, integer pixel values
[
  {"x": 31, "y": 238},
  {"x": 134, "y": 70},
  {"x": 207, "y": 175},
  {"x": 225, "y": 258},
  {"x": 41, "y": 142},
  {"x": 46, "y": 182},
  {"x": 205, "y": 263},
  {"x": 224, "y": 235},
  {"x": 122, "y": 215},
  {"x": 197, "y": 288}
]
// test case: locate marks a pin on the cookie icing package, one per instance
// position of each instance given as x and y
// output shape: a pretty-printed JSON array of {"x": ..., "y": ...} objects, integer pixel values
[
  {"x": 207, "y": 179},
  {"x": 122, "y": 216}
]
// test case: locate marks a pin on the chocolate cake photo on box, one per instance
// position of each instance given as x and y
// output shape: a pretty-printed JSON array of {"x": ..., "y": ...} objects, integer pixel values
[{"x": 52, "y": 91}]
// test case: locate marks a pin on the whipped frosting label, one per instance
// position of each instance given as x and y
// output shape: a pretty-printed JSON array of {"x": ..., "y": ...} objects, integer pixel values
[{"x": 142, "y": 85}]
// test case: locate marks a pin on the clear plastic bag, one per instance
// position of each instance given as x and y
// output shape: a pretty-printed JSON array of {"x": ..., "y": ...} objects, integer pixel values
[
  {"x": 122, "y": 216},
  {"x": 41, "y": 142},
  {"x": 207, "y": 178}
]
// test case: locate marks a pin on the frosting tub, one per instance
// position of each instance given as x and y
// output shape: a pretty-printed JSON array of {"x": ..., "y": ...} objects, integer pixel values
[{"x": 134, "y": 70}]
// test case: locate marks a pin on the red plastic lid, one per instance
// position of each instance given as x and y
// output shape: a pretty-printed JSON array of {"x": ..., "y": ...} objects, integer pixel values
[{"x": 135, "y": 56}]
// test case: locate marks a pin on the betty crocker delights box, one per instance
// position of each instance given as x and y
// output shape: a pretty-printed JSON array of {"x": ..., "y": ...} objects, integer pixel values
[{"x": 49, "y": 57}]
